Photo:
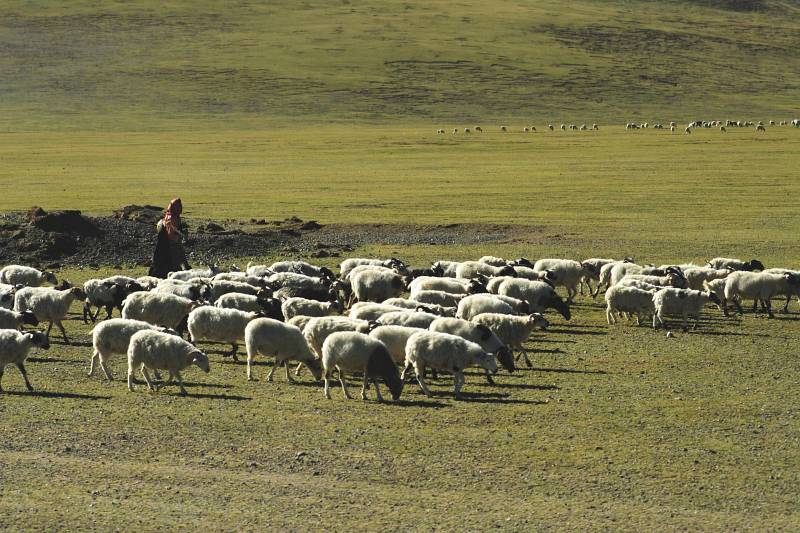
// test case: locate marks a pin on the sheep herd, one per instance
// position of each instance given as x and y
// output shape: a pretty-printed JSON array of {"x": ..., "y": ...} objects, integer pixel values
[
  {"x": 723, "y": 126},
  {"x": 455, "y": 315}
]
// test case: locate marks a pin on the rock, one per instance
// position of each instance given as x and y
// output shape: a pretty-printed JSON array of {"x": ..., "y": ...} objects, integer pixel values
[
  {"x": 210, "y": 227},
  {"x": 320, "y": 253},
  {"x": 310, "y": 225},
  {"x": 149, "y": 214},
  {"x": 71, "y": 222}
]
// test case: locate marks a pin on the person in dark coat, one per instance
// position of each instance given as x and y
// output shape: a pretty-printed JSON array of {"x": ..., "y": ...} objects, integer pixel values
[{"x": 169, "y": 255}]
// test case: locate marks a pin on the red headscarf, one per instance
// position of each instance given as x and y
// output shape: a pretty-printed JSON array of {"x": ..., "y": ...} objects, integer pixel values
[{"x": 172, "y": 219}]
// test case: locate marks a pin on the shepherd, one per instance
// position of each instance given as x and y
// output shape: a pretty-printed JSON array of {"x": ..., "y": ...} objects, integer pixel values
[{"x": 169, "y": 255}]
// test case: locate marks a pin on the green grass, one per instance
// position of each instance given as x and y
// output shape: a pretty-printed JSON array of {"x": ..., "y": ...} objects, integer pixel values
[{"x": 186, "y": 65}]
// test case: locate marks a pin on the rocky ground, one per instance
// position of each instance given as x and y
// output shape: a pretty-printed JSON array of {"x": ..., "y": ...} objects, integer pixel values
[{"x": 127, "y": 237}]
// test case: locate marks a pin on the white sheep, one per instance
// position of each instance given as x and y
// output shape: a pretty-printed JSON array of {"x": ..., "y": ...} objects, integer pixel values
[
  {"x": 513, "y": 331},
  {"x": 318, "y": 328},
  {"x": 14, "y": 348},
  {"x": 371, "y": 310},
  {"x": 158, "y": 309},
  {"x": 593, "y": 266},
  {"x": 717, "y": 286},
  {"x": 538, "y": 294},
  {"x": 12, "y": 320},
  {"x": 447, "y": 268},
  {"x": 629, "y": 300},
  {"x": 101, "y": 294},
  {"x": 682, "y": 302},
  {"x": 301, "y": 267},
  {"x": 7, "y": 293},
  {"x": 161, "y": 351},
  {"x": 470, "y": 269},
  {"x": 759, "y": 286},
  {"x": 479, "y": 334},
  {"x": 565, "y": 273},
  {"x": 222, "y": 287},
  {"x": 242, "y": 277},
  {"x": 376, "y": 286},
  {"x": 430, "y": 283},
  {"x": 48, "y": 304},
  {"x": 493, "y": 260},
  {"x": 25, "y": 275},
  {"x": 215, "y": 324},
  {"x": 413, "y": 305},
  {"x": 442, "y": 351},
  {"x": 671, "y": 279},
  {"x": 185, "y": 275},
  {"x": 270, "y": 307},
  {"x": 303, "y": 306},
  {"x": 736, "y": 264},
  {"x": 300, "y": 321},
  {"x": 111, "y": 337},
  {"x": 697, "y": 276},
  {"x": 791, "y": 290},
  {"x": 442, "y": 298},
  {"x": 413, "y": 319},
  {"x": 350, "y": 351},
  {"x": 476, "y": 304},
  {"x": 395, "y": 339},
  {"x": 191, "y": 290},
  {"x": 349, "y": 264},
  {"x": 268, "y": 337},
  {"x": 147, "y": 282}
]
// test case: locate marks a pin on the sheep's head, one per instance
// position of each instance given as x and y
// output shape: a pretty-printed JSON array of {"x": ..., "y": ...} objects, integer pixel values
[
  {"x": 437, "y": 270},
  {"x": 628, "y": 260},
  {"x": 506, "y": 359},
  {"x": 507, "y": 271},
  {"x": 50, "y": 278},
  {"x": 38, "y": 339},
  {"x": 713, "y": 298},
  {"x": 476, "y": 286},
  {"x": 78, "y": 293},
  {"x": 522, "y": 262},
  {"x": 327, "y": 273},
  {"x": 487, "y": 361},
  {"x": 538, "y": 321},
  {"x": 557, "y": 303},
  {"x": 134, "y": 286},
  {"x": 29, "y": 318},
  {"x": 200, "y": 360},
  {"x": 315, "y": 366},
  {"x": 755, "y": 264},
  {"x": 791, "y": 278}
]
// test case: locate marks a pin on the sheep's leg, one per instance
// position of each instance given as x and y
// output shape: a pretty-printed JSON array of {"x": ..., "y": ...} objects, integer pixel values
[
  {"x": 327, "y": 391},
  {"x": 147, "y": 378},
  {"x": 685, "y": 321},
  {"x": 177, "y": 376},
  {"x": 638, "y": 318},
  {"x": 87, "y": 312},
  {"x": 458, "y": 381},
  {"x": 738, "y": 306},
  {"x": 610, "y": 316},
  {"x": 288, "y": 375},
  {"x": 234, "y": 349},
  {"x": 49, "y": 329},
  {"x": 405, "y": 371},
  {"x": 786, "y": 305},
  {"x": 24, "y": 373},
  {"x": 489, "y": 379},
  {"x": 420, "y": 371},
  {"x": 364, "y": 386},
  {"x": 344, "y": 385},
  {"x": 768, "y": 303},
  {"x": 1, "y": 380},
  {"x": 103, "y": 367},
  {"x": 597, "y": 289},
  {"x": 130, "y": 378},
  {"x": 299, "y": 369},
  {"x": 525, "y": 354},
  {"x": 272, "y": 370},
  {"x": 63, "y": 331},
  {"x": 95, "y": 355},
  {"x": 250, "y": 367},
  {"x": 377, "y": 390},
  {"x": 657, "y": 320}
]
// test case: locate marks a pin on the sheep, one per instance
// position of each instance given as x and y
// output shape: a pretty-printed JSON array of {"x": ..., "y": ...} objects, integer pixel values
[
  {"x": 268, "y": 337},
  {"x": 414, "y": 319},
  {"x": 348, "y": 264},
  {"x": 595, "y": 127},
  {"x": 519, "y": 306},
  {"x": 113, "y": 337},
  {"x": 683, "y": 302},
  {"x": 301, "y": 267},
  {"x": 466, "y": 130},
  {"x": 761, "y": 287},
  {"x": 303, "y": 306},
  {"x": 470, "y": 269},
  {"x": 550, "y": 127},
  {"x": 12, "y": 320},
  {"x": 538, "y": 294},
  {"x": 395, "y": 339},
  {"x": 446, "y": 352},
  {"x": 158, "y": 309},
  {"x": 672, "y": 129},
  {"x": 722, "y": 129},
  {"x": 350, "y": 351},
  {"x": 671, "y": 279},
  {"x": 161, "y": 351},
  {"x": 493, "y": 285},
  {"x": 414, "y": 305},
  {"x": 186, "y": 275},
  {"x": 478, "y": 129},
  {"x": 318, "y": 329},
  {"x": 447, "y": 268},
  {"x": 242, "y": 277},
  {"x": 451, "y": 285},
  {"x": 191, "y": 291},
  {"x": 455, "y": 130},
  {"x": 27, "y": 276},
  {"x": 761, "y": 128},
  {"x": 376, "y": 286},
  {"x": 14, "y": 348},
  {"x": 493, "y": 260},
  {"x": 736, "y": 264},
  {"x": 504, "y": 129},
  {"x": 479, "y": 334},
  {"x": 638, "y": 284},
  {"x": 593, "y": 267},
  {"x": 217, "y": 324},
  {"x": 525, "y": 129},
  {"x": 300, "y": 321},
  {"x": 371, "y": 310},
  {"x": 717, "y": 286},
  {"x": 48, "y": 304},
  {"x": 696, "y": 276},
  {"x": 440, "y": 131},
  {"x": 605, "y": 275},
  {"x": 222, "y": 287},
  {"x": 630, "y": 300},
  {"x": 7, "y": 293},
  {"x": 565, "y": 273},
  {"x": 790, "y": 289},
  {"x": 445, "y": 299},
  {"x": 270, "y": 307},
  {"x": 513, "y": 331},
  {"x": 476, "y": 304},
  {"x": 687, "y": 131},
  {"x": 147, "y": 282}
]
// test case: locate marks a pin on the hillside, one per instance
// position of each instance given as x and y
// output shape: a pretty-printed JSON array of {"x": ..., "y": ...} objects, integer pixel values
[{"x": 252, "y": 65}]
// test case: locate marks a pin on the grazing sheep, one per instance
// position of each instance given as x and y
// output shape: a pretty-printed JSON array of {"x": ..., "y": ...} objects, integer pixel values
[
  {"x": 222, "y": 287},
  {"x": 671, "y": 279},
  {"x": 759, "y": 286},
  {"x": 761, "y": 128},
  {"x": 697, "y": 276},
  {"x": 513, "y": 331},
  {"x": 395, "y": 339},
  {"x": 440, "y": 131},
  {"x": 300, "y": 321},
  {"x": 371, "y": 311},
  {"x": 717, "y": 286},
  {"x": 349, "y": 264},
  {"x": 538, "y": 294},
  {"x": 414, "y": 305},
  {"x": 593, "y": 266},
  {"x": 186, "y": 275},
  {"x": 164, "y": 310},
  {"x": 630, "y": 300},
  {"x": 161, "y": 351},
  {"x": 49, "y": 305},
  {"x": 504, "y": 129},
  {"x": 318, "y": 329},
  {"x": 148, "y": 283},
  {"x": 470, "y": 269},
  {"x": 413, "y": 319},
  {"x": 113, "y": 336},
  {"x": 268, "y": 337},
  {"x": 376, "y": 286},
  {"x": 303, "y": 306},
  {"x": 478, "y": 129},
  {"x": 14, "y": 348},
  {"x": 215, "y": 324},
  {"x": 13, "y": 320},
  {"x": 623, "y": 268},
  {"x": 466, "y": 130},
  {"x": 736, "y": 264},
  {"x": 480, "y": 335},
  {"x": 565, "y": 273},
  {"x": 475, "y": 304},
  {"x": 791, "y": 290},
  {"x": 26, "y": 276},
  {"x": 442, "y": 298},
  {"x": 451, "y": 285},
  {"x": 493, "y": 260},
  {"x": 301, "y": 267},
  {"x": 442, "y": 351},
  {"x": 270, "y": 307},
  {"x": 190, "y": 291},
  {"x": 349, "y": 351},
  {"x": 447, "y": 269},
  {"x": 683, "y": 302}
]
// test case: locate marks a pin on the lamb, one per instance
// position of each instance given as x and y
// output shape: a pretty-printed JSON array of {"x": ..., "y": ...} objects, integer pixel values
[
  {"x": 270, "y": 307},
  {"x": 442, "y": 298},
  {"x": 538, "y": 294},
  {"x": 301, "y": 267},
  {"x": 47, "y": 304},
  {"x": 349, "y": 264},
  {"x": 14, "y": 348},
  {"x": 631, "y": 300},
  {"x": 13, "y": 320},
  {"x": 371, "y": 311},
  {"x": 513, "y": 331},
  {"x": 761, "y": 287},
  {"x": 164, "y": 310},
  {"x": 395, "y": 339},
  {"x": 447, "y": 352},
  {"x": 186, "y": 275},
  {"x": 25, "y": 275},
  {"x": 697, "y": 276},
  {"x": 303, "y": 306},
  {"x": 268, "y": 337},
  {"x": 414, "y": 319},
  {"x": 683, "y": 302},
  {"x": 736, "y": 264},
  {"x": 476, "y": 304},
  {"x": 101, "y": 294},
  {"x": 565, "y": 273},
  {"x": 113, "y": 336},
  {"x": 216, "y": 324},
  {"x": 375, "y": 286},
  {"x": 349, "y": 351},
  {"x": 479, "y": 334},
  {"x": 161, "y": 351},
  {"x": 470, "y": 269}
]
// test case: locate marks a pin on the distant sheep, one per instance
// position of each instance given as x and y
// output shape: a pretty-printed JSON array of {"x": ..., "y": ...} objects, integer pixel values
[
  {"x": 681, "y": 302},
  {"x": 736, "y": 264}
]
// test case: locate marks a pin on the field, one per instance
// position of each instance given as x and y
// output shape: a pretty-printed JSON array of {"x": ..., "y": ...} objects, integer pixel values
[{"x": 328, "y": 111}]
